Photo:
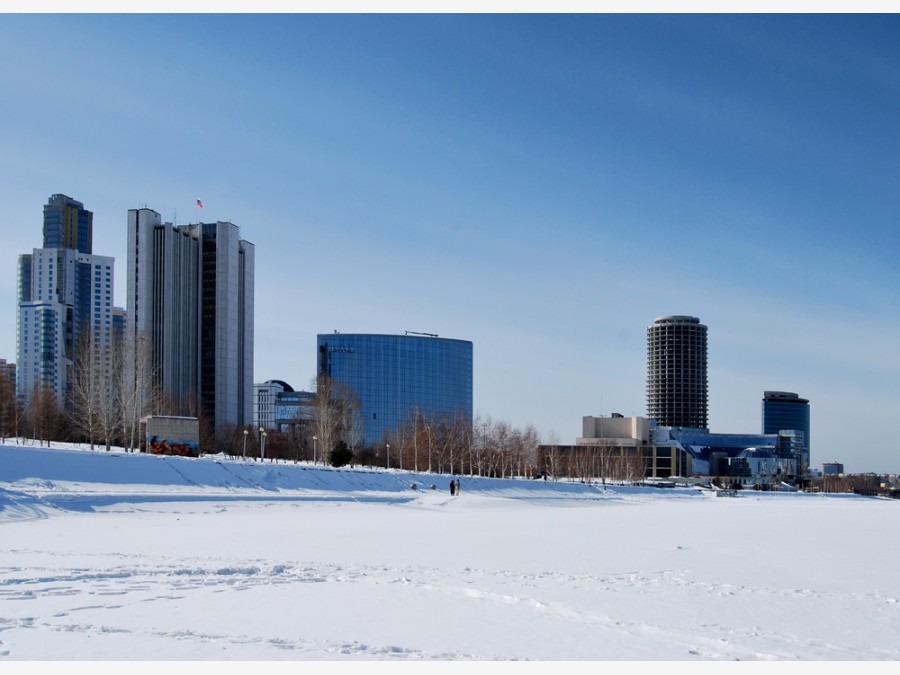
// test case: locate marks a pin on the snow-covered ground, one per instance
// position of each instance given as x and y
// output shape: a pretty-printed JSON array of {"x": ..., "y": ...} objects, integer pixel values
[{"x": 114, "y": 556}]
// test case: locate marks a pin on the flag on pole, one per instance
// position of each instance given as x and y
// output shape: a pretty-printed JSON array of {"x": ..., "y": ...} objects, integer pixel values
[{"x": 199, "y": 203}]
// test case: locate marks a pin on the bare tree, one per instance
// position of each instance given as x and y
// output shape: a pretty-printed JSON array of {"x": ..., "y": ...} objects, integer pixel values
[
  {"x": 353, "y": 425},
  {"x": 459, "y": 438},
  {"x": 329, "y": 413},
  {"x": 398, "y": 441},
  {"x": 84, "y": 385},
  {"x": 481, "y": 450},
  {"x": 139, "y": 393},
  {"x": 428, "y": 431},
  {"x": 581, "y": 463},
  {"x": 46, "y": 416},
  {"x": 552, "y": 457},
  {"x": 414, "y": 436},
  {"x": 529, "y": 441},
  {"x": 93, "y": 394}
]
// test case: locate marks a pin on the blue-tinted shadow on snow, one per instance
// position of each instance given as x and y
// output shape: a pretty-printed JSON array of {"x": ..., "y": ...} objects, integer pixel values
[{"x": 93, "y": 503}]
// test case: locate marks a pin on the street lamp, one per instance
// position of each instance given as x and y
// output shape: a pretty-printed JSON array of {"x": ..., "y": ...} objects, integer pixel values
[
  {"x": 246, "y": 432},
  {"x": 262, "y": 443},
  {"x": 315, "y": 438},
  {"x": 387, "y": 457}
]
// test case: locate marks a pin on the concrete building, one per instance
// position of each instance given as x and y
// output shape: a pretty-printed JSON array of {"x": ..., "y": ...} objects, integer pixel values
[
  {"x": 395, "y": 376},
  {"x": 677, "y": 388},
  {"x": 277, "y": 406},
  {"x": 265, "y": 397},
  {"x": 622, "y": 437},
  {"x": 191, "y": 299},
  {"x": 64, "y": 297}
]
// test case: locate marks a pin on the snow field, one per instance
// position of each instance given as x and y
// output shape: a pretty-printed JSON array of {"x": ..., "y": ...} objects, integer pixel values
[{"x": 132, "y": 557}]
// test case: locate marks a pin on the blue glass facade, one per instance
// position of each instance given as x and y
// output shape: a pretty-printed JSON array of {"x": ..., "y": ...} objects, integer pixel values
[
  {"x": 394, "y": 375},
  {"x": 784, "y": 411},
  {"x": 703, "y": 444}
]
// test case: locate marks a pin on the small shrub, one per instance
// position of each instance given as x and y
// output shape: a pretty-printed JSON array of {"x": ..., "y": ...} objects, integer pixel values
[{"x": 341, "y": 455}]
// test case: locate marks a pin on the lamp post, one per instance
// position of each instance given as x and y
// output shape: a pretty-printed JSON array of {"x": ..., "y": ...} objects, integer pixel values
[
  {"x": 246, "y": 432},
  {"x": 265, "y": 435},
  {"x": 262, "y": 443},
  {"x": 387, "y": 457},
  {"x": 315, "y": 438}
]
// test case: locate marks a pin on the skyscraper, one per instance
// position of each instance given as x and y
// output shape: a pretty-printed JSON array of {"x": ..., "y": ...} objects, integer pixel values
[
  {"x": 190, "y": 299},
  {"x": 64, "y": 296},
  {"x": 676, "y": 372}
]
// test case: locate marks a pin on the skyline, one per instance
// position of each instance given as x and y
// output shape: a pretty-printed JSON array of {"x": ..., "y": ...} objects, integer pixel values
[{"x": 544, "y": 186}]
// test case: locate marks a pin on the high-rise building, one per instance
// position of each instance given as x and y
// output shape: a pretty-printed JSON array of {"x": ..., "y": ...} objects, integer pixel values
[
  {"x": 190, "y": 301},
  {"x": 67, "y": 224},
  {"x": 64, "y": 296},
  {"x": 396, "y": 376},
  {"x": 784, "y": 412},
  {"x": 677, "y": 387}
]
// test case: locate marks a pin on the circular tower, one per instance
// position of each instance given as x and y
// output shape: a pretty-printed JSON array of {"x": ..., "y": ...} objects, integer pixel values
[{"x": 676, "y": 372}]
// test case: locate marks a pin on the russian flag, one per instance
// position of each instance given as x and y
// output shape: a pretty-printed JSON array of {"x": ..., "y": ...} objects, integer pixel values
[{"x": 199, "y": 203}]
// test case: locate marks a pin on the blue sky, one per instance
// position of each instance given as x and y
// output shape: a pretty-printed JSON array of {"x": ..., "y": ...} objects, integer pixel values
[{"x": 543, "y": 185}]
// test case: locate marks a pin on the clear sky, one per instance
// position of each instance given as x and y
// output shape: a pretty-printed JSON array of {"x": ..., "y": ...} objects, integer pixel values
[{"x": 542, "y": 185}]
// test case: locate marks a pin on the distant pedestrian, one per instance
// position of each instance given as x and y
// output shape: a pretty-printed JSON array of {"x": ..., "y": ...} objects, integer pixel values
[
  {"x": 457, "y": 487},
  {"x": 452, "y": 488}
]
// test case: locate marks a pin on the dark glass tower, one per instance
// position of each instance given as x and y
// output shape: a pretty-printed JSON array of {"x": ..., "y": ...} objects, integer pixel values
[
  {"x": 395, "y": 375},
  {"x": 676, "y": 372},
  {"x": 786, "y": 411}
]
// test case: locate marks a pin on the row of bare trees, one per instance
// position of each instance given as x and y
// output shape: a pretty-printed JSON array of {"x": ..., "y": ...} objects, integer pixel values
[
  {"x": 432, "y": 444},
  {"x": 589, "y": 463},
  {"x": 110, "y": 388},
  {"x": 863, "y": 483}
]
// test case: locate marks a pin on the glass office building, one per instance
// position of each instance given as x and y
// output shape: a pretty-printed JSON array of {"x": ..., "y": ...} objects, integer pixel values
[
  {"x": 785, "y": 411},
  {"x": 395, "y": 375}
]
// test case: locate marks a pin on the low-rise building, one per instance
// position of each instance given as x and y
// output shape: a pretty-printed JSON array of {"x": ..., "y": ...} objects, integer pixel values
[{"x": 616, "y": 448}]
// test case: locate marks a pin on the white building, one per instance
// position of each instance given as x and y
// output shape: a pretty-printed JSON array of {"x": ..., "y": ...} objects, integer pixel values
[
  {"x": 190, "y": 298},
  {"x": 62, "y": 295},
  {"x": 265, "y": 399}
]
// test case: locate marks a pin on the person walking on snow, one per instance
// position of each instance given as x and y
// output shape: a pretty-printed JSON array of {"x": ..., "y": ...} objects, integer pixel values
[{"x": 452, "y": 488}]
